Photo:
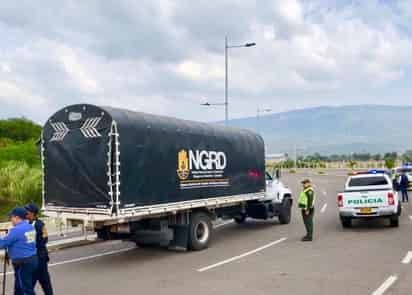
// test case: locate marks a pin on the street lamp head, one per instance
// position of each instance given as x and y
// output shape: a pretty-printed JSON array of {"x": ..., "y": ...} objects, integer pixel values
[
  {"x": 205, "y": 104},
  {"x": 250, "y": 44}
]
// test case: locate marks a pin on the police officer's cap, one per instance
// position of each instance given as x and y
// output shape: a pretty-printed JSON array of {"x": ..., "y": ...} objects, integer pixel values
[
  {"x": 32, "y": 208},
  {"x": 306, "y": 181},
  {"x": 18, "y": 212}
]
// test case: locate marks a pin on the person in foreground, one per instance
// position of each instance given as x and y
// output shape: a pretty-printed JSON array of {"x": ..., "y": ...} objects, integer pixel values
[
  {"x": 42, "y": 274},
  {"x": 21, "y": 245},
  {"x": 306, "y": 203}
]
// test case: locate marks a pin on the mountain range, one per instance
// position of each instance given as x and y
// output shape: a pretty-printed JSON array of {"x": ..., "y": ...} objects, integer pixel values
[{"x": 335, "y": 130}]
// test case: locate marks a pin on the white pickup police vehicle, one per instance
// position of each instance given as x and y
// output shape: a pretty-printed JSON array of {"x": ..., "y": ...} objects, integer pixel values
[{"x": 369, "y": 195}]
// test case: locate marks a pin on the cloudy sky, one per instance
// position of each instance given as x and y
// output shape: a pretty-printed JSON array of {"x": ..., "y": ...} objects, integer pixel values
[{"x": 167, "y": 57}]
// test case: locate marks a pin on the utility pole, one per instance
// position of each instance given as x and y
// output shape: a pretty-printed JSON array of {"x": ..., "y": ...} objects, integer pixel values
[{"x": 226, "y": 84}]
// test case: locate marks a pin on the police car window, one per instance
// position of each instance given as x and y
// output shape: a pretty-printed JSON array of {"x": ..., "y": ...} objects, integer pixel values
[{"x": 367, "y": 181}]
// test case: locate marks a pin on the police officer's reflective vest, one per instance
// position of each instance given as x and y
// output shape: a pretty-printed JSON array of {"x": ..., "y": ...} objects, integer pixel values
[{"x": 303, "y": 199}]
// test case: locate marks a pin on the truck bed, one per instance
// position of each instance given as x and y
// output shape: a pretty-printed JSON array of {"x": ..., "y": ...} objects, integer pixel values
[{"x": 135, "y": 214}]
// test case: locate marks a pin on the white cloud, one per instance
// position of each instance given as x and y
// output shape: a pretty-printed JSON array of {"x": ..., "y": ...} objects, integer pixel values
[{"x": 165, "y": 57}]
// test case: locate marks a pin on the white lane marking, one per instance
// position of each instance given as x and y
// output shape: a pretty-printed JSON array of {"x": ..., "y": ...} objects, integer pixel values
[
  {"x": 223, "y": 224},
  {"x": 85, "y": 258},
  {"x": 408, "y": 258},
  {"x": 241, "y": 255},
  {"x": 385, "y": 286},
  {"x": 324, "y": 208},
  {"x": 324, "y": 193}
]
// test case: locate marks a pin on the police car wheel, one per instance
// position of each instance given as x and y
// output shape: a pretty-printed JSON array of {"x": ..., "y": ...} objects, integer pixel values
[
  {"x": 346, "y": 222},
  {"x": 394, "y": 221},
  {"x": 286, "y": 212},
  {"x": 200, "y": 231}
]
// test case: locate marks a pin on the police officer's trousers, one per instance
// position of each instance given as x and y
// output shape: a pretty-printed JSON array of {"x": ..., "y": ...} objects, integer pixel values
[
  {"x": 308, "y": 221},
  {"x": 23, "y": 274},
  {"x": 43, "y": 277},
  {"x": 405, "y": 197}
]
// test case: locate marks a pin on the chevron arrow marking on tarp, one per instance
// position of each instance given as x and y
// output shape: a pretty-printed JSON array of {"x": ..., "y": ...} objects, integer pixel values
[
  {"x": 89, "y": 127},
  {"x": 60, "y": 131}
]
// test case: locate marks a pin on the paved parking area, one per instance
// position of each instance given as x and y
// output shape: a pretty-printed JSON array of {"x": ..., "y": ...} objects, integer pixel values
[{"x": 259, "y": 257}]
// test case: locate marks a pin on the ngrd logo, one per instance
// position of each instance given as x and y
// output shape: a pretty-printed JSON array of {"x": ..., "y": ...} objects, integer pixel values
[{"x": 199, "y": 160}]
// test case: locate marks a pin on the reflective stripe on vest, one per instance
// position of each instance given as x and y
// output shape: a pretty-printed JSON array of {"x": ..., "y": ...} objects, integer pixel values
[{"x": 303, "y": 198}]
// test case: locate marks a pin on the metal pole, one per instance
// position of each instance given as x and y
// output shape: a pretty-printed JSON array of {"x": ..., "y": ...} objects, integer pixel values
[
  {"x": 226, "y": 84},
  {"x": 6, "y": 257},
  {"x": 296, "y": 157}
]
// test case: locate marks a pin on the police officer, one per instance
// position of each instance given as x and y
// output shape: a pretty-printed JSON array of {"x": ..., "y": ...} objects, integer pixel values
[
  {"x": 42, "y": 274},
  {"x": 306, "y": 203},
  {"x": 21, "y": 245}
]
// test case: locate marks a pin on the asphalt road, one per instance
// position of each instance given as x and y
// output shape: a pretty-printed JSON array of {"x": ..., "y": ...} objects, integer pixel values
[{"x": 259, "y": 257}]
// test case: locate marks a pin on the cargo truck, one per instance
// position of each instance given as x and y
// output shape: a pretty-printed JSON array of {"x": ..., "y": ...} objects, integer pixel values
[{"x": 154, "y": 179}]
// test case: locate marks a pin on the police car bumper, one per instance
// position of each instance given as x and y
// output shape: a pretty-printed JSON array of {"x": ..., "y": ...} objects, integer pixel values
[{"x": 375, "y": 212}]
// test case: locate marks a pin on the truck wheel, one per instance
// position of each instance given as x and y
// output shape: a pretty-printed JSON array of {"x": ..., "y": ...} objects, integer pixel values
[
  {"x": 200, "y": 231},
  {"x": 394, "y": 220},
  {"x": 104, "y": 234},
  {"x": 285, "y": 212},
  {"x": 240, "y": 219},
  {"x": 346, "y": 222}
]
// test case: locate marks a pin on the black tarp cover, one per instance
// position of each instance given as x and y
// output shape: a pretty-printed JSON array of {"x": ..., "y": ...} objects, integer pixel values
[{"x": 161, "y": 159}]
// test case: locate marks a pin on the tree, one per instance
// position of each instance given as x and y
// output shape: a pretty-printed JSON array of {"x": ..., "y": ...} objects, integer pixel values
[
  {"x": 392, "y": 156},
  {"x": 390, "y": 163},
  {"x": 352, "y": 164},
  {"x": 377, "y": 157},
  {"x": 19, "y": 130},
  {"x": 407, "y": 156}
]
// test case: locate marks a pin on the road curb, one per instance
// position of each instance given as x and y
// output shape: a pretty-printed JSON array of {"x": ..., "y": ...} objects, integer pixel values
[{"x": 67, "y": 243}]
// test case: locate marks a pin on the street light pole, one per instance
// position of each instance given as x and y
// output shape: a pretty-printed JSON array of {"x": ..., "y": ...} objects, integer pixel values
[
  {"x": 227, "y": 46},
  {"x": 226, "y": 84},
  {"x": 226, "y": 103}
]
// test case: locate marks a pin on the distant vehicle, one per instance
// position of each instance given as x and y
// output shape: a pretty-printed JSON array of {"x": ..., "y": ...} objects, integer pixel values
[
  {"x": 369, "y": 195},
  {"x": 154, "y": 179},
  {"x": 405, "y": 168}
]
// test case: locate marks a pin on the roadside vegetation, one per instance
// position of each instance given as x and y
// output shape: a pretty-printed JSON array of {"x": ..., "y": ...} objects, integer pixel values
[
  {"x": 20, "y": 172},
  {"x": 350, "y": 161}
]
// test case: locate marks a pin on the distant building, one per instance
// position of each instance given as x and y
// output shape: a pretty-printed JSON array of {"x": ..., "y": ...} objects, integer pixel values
[{"x": 276, "y": 158}]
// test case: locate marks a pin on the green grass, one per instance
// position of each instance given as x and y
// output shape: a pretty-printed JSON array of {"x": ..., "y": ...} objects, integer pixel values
[
  {"x": 19, "y": 184},
  {"x": 22, "y": 151}
]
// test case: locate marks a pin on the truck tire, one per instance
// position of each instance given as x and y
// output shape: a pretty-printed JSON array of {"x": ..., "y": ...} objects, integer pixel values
[
  {"x": 240, "y": 219},
  {"x": 285, "y": 212},
  {"x": 346, "y": 222},
  {"x": 200, "y": 231},
  {"x": 104, "y": 234},
  {"x": 394, "y": 220}
]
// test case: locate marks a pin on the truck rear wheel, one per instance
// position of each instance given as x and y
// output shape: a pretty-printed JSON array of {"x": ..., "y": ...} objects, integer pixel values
[
  {"x": 346, "y": 222},
  {"x": 104, "y": 234},
  {"x": 200, "y": 231},
  {"x": 394, "y": 220},
  {"x": 240, "y": 219},
  {"x": 285, "y": 212}
]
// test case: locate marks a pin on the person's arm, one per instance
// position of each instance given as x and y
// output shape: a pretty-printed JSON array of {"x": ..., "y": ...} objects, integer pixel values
[
  {"x": 309, "y": 194},
  {"x": 41, "y": 232},
  {"x": 8, "y": 240}
]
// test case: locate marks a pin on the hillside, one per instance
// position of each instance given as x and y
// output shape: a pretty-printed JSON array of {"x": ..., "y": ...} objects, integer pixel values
[{"x": 329, "y": 130}]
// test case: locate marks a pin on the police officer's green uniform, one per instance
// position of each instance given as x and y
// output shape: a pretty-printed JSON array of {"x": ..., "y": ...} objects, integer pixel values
[{"x": 306, "y": 202}]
